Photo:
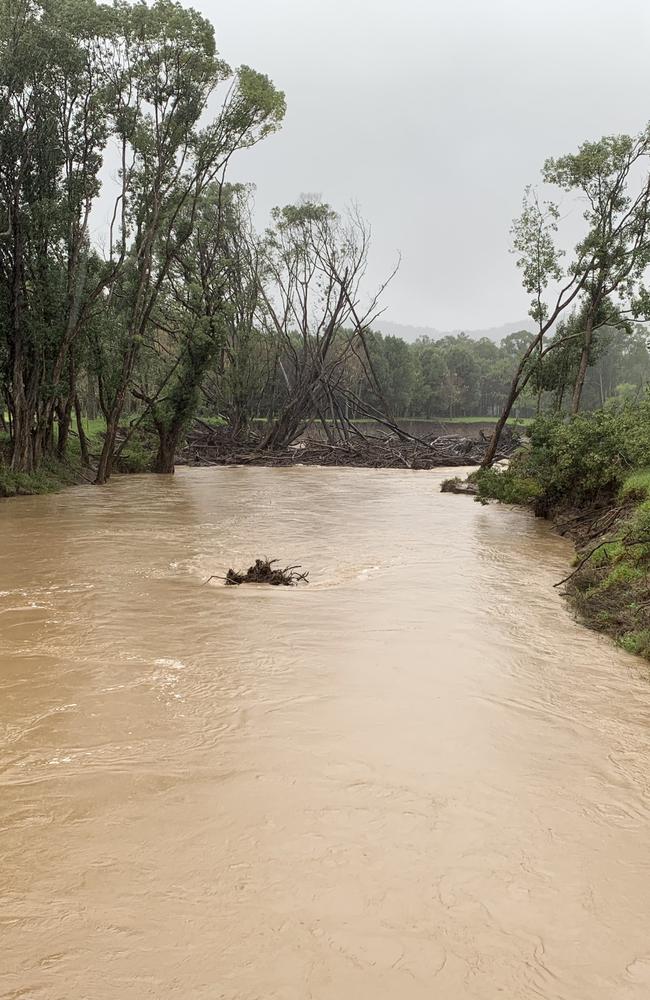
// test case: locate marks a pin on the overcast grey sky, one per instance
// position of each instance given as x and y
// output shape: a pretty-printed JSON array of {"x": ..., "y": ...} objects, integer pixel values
[{"x": 433, "y": 116}]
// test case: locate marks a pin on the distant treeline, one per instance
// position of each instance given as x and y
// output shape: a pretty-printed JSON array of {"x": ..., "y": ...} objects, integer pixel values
[{"x": 457, "y": 376}]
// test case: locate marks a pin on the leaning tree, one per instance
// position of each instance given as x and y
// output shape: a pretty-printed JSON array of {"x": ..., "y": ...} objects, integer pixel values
[{"x": 604, "y": 273}]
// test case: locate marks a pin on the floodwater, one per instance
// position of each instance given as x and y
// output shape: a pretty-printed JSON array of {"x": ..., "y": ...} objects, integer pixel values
[{"x": 416, "y": 777}]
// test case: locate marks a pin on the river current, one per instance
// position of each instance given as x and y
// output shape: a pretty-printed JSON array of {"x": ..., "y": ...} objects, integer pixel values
[{"x": 416, "y": 777}]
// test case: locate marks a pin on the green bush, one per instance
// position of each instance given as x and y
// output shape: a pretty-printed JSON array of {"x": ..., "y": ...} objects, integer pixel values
[
  {"x": 606, "y": 554},
  {"x": 622, "y": 575},
  {"x": 577, "y": 461},
  {"x": 508, "y": 485}
]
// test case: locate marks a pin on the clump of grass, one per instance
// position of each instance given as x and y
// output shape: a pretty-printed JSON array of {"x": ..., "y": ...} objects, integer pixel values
[
  {"x": 606, "y": 554},
  {"x": 611, "y": 590},
  {"x": 637, "y": 642},
  {"x": 636, "y": 486},
  {"x": 450, "y": 485},
  {"x": 51, "y": 477}
]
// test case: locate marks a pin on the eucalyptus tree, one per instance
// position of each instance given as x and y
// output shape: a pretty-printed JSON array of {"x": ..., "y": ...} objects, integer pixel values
[
  {"x": 204, "y": 319},
  {"x": 607, "y": 263},
  {"x": 617, "y": 214},
  {"x": 245, "y": 369},
  {"x": 78, "y": 78},
  {"x": 314, "y": 265},
  {"x": 53, "y": 128},
  {"x": 169, "y": 72}
]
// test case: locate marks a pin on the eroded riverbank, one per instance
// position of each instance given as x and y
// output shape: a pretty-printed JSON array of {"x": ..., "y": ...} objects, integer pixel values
[{"x": 416, "y": 775}]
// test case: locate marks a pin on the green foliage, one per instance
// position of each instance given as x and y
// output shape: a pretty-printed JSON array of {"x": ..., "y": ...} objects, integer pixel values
[
  {"x": 582, "y": 465},
  {"x": 138, "y": 454},
  {"x": 508, "y": 486},
  {"x": 458, "y": 378},
  {"x": 637, "y": 643},
  {"x": 580, "y": 461},
  {"x": 611, "y": 590},
  {"x": 607, "y": 554},
  {"x": 78, "y": 77},
  {"x": 622, "y": 575},
  {"x": 450, "y": 378},
  {"x": 636, "y": 486},
  {"x": 537, "y": 256}
]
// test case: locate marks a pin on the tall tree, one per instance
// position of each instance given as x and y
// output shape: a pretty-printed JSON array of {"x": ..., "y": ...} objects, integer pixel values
[
  {"x": 206, "y": 314},
  {"x": 609, "y": 260},
  {"x": 173, "y": 70}
]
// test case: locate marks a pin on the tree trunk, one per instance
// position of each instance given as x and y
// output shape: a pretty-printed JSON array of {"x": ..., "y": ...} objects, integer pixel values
[
  {"x": 539, "y": 389},
  {"x": 22, "y": 454},
  {"x": 239, "y": 421},
  {"x": 65, "y": 414},
  {"x": 515, "y": 388},
  {"x": 113, "y": 414},
  {"x": 83, "y": 444},
  {"x": 285, "y": 429},
  {"x": 500, "y": 424},
  {"x": 584, "y": 364},
  {"x": 168, "y": 441},
  {"x": 105, "y": 466}
]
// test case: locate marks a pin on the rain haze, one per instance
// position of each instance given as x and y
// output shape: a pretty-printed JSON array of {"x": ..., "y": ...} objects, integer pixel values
[{"x": 433, "y": 117}]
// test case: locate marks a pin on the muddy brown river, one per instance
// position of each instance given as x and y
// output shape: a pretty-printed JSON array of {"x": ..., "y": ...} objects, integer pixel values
[{"x": 416, "y": 777}]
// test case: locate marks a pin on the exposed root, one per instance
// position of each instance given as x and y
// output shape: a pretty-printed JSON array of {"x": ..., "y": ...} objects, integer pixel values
[{"x": 262, "y": 571}]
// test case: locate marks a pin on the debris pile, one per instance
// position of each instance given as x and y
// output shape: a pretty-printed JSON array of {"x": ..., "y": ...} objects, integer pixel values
[
  {"x": 262, "y": 571},
  {"x": 215, "y": 446}
]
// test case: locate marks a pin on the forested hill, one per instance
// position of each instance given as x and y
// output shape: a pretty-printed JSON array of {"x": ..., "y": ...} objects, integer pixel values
[{"x": 412, "y": 333}]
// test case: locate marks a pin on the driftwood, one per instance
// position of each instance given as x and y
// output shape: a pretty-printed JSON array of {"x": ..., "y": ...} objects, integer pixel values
[
  {"x": 215, "y": 446},
  {"x": 262, "y": 571}
]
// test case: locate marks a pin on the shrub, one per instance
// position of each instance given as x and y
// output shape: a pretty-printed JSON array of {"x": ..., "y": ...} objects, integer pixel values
[
  {"x": 575, "y": 462},
  {"x": 508, "y": 485}
]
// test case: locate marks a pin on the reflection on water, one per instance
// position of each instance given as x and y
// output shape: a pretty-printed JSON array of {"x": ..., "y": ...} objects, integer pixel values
[{"x": 417, "y": 777}]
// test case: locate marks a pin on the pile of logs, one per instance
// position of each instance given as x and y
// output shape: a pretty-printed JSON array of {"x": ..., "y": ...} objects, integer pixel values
[{"x": 207, "y": 445}]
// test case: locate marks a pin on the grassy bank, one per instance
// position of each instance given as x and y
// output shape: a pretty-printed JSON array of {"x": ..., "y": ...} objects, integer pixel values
[
  {"x": 591, "y": 477},
  {"x": 54, "y": 475},
  {"x": 51, "y": 477}
]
